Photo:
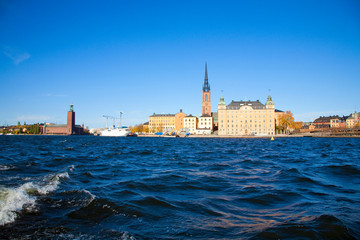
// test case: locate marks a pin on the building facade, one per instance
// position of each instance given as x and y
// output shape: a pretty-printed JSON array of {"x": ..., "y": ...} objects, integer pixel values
[
  {"x": 161, "y": 122},
  {"x": 190, "y": 123},
  {"x": 63, "y": 129},
  {"x": 353, "y": 120},
  {"x": 179, "y": 120},
  {"x": 205, "y": 122},
  {"x": 246, "y": 117},
  {"x": 166, "y": 123}
]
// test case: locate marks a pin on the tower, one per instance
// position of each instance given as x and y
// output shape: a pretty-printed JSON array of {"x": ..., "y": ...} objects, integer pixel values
[
  {"x": 269, "y": 103},
  {"x": 206, "y": 101},
  {"x": 70, "y": 121},
  {"x": 221, "y": 104}
]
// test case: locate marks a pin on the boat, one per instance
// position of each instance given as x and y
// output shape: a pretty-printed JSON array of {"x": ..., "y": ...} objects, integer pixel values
[
  {"x": 132, "y": 135},
  {"x": 115, "y": 132}
]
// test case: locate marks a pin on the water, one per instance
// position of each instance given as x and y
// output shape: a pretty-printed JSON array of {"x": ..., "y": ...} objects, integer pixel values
[{"x": 84, "y": 187}]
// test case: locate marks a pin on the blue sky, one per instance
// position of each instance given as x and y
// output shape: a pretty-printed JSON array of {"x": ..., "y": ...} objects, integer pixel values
[{"x": 141, "y": 57}]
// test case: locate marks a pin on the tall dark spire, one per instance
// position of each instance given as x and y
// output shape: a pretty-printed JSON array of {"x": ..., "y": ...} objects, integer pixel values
[{"x": 206, "y": 87}]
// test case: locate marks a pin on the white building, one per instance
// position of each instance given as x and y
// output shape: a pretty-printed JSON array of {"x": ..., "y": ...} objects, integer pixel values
[
  {"x": 190, "y": 122},
  {"x": 205, "y": 122}
]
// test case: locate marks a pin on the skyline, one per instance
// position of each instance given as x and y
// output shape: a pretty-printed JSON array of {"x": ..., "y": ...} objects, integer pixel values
[{"x": 140, "y": 58}]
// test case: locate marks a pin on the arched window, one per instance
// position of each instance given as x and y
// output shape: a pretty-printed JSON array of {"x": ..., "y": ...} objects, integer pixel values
[{"x": 206, "y": 98}]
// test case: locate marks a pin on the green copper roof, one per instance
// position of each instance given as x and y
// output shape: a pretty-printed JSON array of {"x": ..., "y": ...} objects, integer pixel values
[
  {"x": 269, "y": 101},
  {"x": 222, "y": 101}
]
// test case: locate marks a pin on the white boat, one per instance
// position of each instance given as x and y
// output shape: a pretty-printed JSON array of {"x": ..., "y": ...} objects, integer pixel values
[{"x": 115, "y": 132}]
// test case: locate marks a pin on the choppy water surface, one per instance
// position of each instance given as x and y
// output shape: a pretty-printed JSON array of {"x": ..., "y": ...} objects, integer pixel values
[{"x": 179, "y": 188}]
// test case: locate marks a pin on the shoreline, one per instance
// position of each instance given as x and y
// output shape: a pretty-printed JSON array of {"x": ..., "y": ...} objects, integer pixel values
[
  {"x": 216, "y": 136},
  {"x": 255, "y": 137}
]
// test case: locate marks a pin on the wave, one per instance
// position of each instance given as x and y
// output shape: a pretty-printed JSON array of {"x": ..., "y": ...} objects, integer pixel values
[
  {"x": 23, "y": 198},
  {"x": 320, "y": 227},
  {"x": 6, "y": 167}
]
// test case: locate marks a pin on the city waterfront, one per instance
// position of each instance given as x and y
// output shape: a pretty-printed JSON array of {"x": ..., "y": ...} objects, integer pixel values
[{"x": 88, "y": 187}]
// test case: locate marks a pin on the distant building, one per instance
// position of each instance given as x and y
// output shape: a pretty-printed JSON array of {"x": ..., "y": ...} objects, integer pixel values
[
  {"x": 191, "y": 122},
  {"x": 353, "y": 120},
  {"x": 323, "y": 122},
  {"x": 63, "y": 129},
  {"x": 338, "y": 122},
  {"x": 166, "y": 122},
  {"x": 246, "y": 117},
  {"x": 179, "y": 120},
  {"x": 205, "y": 121},
  {"x": 161, "y": 122}
]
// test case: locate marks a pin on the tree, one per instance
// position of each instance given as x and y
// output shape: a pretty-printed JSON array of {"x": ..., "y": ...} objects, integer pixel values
[
  {"x": 286, "y": 122},
  {"x": 35, "y": 129}
]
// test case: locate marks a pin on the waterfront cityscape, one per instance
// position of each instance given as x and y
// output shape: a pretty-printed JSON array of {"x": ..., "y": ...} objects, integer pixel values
[
  {"x": 237, "y": 119},
  {"x": 159, "y": 120}
]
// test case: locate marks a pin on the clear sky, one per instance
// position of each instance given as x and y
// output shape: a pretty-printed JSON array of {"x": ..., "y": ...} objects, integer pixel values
[{"x": 141, "y": 57}]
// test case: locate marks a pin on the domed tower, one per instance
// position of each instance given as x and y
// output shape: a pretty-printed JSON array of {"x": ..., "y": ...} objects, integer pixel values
[
  {"x": 206, "y": 101},
  {"x": 269, "y": 103},
  {"x": 221, "y": 104}
]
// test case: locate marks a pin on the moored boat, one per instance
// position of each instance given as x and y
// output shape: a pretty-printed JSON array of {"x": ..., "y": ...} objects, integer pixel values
[{"x": 115, "y": 132}]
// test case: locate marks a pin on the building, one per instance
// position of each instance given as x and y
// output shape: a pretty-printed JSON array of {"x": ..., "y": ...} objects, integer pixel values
[
  {"x": 179, "y": 120},
  {"x": 166, "y": 123},
  {"x": 323, "y": 122},
  {"x": 338, "y": 122},
  {"x": 205, "y": 122},
  {"x": 353, "y": 120},
  {"x": 63, "y": 129},
  {"x": 246, "y": 117},
  {"x": 161, "y": 122},
  {"x": 190, "y": 123}
]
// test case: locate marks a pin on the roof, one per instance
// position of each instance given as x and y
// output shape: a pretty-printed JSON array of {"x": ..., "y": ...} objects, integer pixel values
[
  {"x": 163, "y": 115},
  {"x": 324, "y": 119},
  {"x": 234, "y": 105},
  {"x": 277, "y": 110},
  {"x": 56, "y": 125}
]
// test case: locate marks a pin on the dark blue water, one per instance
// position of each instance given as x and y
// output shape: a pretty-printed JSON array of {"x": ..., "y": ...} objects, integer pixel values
[{"x": 88, "y": 187}]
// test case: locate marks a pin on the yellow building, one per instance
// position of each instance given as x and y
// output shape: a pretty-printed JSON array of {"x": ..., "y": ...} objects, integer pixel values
[
  {"x": 246, "y": 117},
  {"x": 179, "y": 120},
  {"x": 166, "y": 122},
  {"x": 353, "y": 120},
  {"x": 161, "y": 122}
]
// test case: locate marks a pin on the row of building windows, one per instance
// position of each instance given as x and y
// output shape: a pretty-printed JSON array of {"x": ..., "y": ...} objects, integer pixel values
[
  {"x": 245, "y": 121},
  {"x": 250, "y": 116},
  {"x": 245, "y": 125}
]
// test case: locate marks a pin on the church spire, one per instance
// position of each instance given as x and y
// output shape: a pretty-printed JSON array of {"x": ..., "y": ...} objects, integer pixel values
[{"x": 206, "y": 87}]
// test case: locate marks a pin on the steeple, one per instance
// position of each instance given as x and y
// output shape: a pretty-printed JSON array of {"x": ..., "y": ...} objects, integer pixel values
[
  {"x": 206, "y": 87},
  {"x": 71, "y": 107}
]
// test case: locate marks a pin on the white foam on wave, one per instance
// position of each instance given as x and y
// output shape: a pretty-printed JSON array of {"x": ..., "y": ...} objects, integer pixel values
[
  {"x": 5, "y": 167},
  {"x": 15, "y": 200}
]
